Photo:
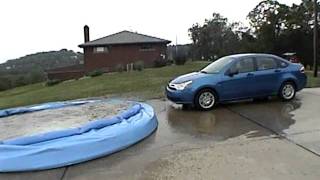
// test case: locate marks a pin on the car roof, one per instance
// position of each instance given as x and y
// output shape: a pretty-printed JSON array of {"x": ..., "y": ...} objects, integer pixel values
[{"x": 237, "y": 56}]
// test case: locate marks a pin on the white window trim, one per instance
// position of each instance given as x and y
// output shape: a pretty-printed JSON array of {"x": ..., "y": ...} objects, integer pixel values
[{"x": 101, "y": 49}]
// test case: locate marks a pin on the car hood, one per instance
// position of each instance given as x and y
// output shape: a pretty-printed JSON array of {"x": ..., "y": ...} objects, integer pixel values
[{"x": 189, "y": 77}]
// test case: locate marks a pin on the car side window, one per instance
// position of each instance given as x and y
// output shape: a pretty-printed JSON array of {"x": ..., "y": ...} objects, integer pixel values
[
  {"x": 244, "y": 65},
  {"x": 282, "y": 64},
  {"x": 265, "y": 63}
]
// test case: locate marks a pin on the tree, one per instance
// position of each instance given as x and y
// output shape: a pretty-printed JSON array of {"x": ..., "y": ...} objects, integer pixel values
[
  {"x": 36, "y": 76},
  {"x": 280, "y": 28},
  {"x": 215, "y": 38},
  {"x": 268, "y": 20},
  {"x": 274, "y": 28}
]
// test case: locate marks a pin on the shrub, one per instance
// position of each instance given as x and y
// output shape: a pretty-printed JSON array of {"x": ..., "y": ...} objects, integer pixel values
[
  {"x": 119, "y": 68},
  {"x": 36, "y": 76},
  {"x": 160, "y": 63},
  {"x": 5, "y": 83},
  {"x": 138, "y": 65},
  {"x": 53, "y": 82},
  {"x": 95, "y": 73},
  {"x": 170, "y": 62},
  {"x": 180, "y": 59},
  {"x": 21, "y": 81}
]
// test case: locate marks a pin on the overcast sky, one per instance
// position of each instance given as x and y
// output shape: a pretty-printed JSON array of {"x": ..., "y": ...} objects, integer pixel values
[{"x": 30, "y": 26}]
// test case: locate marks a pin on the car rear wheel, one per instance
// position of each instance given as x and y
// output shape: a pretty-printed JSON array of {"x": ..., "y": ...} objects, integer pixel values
[
  {"x": 287, "y": 91},
  {"x": 206, "y": 99}
]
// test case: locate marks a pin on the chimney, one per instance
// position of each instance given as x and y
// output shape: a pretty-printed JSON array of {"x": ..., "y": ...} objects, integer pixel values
[{"x": 86, "y": 33}]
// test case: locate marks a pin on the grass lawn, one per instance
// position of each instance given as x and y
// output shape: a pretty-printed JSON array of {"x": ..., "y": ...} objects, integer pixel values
[
  {"x": 149, "y": 83},
  {"x": 312, "y": 81}
]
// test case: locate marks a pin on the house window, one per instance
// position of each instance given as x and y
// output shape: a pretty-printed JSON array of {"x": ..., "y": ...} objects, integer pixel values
[
  {"x": 147, "y": 48},
  {"x": 101, "y": 50}
]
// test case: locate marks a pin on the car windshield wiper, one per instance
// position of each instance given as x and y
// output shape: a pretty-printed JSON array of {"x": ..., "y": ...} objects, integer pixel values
[{"x": 204, "y": 72}]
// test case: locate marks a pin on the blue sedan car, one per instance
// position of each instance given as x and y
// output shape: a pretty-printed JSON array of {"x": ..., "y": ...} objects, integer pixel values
[{"x": 236, "y": 77}]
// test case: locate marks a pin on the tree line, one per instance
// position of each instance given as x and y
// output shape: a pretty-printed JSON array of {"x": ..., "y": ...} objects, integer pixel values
[
  {"x": 32, "y": 68},
  {"x": 274, "y": 28}
]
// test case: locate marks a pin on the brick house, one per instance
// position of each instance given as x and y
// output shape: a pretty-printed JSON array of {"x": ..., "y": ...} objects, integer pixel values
[
  {"x": 122, "y": 48},
  {"x": 119, "y": 49}
]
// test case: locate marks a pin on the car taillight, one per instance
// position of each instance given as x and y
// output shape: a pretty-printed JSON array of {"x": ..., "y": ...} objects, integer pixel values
[{"x": 302, "y": 69}]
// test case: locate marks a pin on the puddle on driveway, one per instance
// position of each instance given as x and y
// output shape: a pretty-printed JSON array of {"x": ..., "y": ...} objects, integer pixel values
[
  {"x": 224, "y": 121},
  {"x": 298, "y": 116},
  {"x": 273, "y": 114}
]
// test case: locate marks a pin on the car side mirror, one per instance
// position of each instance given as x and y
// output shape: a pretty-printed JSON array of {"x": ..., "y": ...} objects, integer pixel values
[{"x": 232, "y": 71}]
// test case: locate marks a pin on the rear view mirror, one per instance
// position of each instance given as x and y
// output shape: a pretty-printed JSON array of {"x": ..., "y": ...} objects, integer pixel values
[{"x": 232, "y": 71}]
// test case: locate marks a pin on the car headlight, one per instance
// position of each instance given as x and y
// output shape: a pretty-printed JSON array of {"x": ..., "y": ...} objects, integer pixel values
[{"x": 182, "y": 86}]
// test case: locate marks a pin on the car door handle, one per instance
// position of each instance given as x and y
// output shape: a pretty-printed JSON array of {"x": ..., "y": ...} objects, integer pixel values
[
  {"x": 250, "y": 74},
  {"x": 277, "y": 70}
]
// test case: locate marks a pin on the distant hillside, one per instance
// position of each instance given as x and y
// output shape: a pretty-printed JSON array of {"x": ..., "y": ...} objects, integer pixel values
[
  {"x": 41, "y": 61},
  {"x": 31, "y": 68}
]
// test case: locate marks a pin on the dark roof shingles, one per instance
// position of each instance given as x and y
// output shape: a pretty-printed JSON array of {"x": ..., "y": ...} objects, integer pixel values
[{"x": 124, "y": 37}]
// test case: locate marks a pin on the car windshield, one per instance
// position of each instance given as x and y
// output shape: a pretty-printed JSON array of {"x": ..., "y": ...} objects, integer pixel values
[{"x": 217, "y": 65}]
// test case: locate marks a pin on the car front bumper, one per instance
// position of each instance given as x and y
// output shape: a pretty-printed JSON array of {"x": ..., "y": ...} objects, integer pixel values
[{"x": 180, "y": 97}]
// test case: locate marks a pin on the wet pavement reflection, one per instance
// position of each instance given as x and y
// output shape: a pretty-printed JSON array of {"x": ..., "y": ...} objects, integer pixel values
[
  {"x": 191, "y": 121},
  {"x": 230, "y": 120},
  {"x": 273, "y": 114}
]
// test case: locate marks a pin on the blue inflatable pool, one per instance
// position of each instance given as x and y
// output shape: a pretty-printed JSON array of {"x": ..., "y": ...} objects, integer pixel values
[{"x": 66, "y": 147}]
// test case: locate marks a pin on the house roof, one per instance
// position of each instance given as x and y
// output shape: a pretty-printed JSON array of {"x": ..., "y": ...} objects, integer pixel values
[{"x": 124, "y": 37}]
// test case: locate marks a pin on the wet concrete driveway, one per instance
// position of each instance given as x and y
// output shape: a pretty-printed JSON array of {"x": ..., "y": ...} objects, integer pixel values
[{"x": 248, "y": 140}]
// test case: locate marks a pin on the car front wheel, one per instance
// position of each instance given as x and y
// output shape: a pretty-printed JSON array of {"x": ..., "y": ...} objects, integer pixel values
[
  {"x": 287, "y": 91},
  {"x": 206, "y": 99}
]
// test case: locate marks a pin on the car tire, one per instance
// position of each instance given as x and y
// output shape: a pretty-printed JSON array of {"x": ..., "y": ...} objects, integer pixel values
[
  {"x": 205, "y": 99},
  {"x": 287, "y": 91}
]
